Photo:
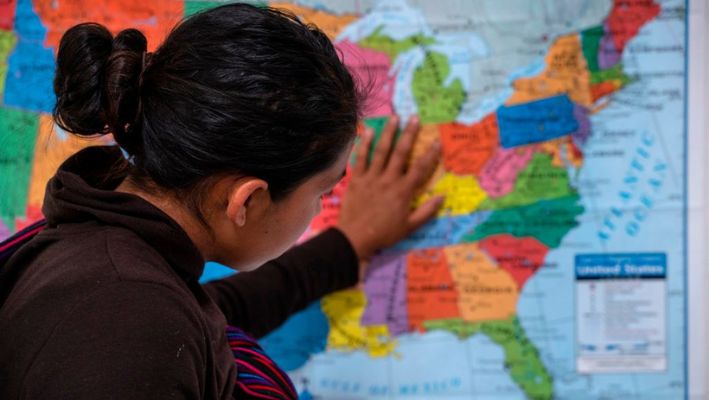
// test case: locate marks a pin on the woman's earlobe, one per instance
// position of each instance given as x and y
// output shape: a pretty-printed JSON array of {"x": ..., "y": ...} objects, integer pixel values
[
  {"x": 241, "y": 216},
  {"x": 241, "y": 197}
]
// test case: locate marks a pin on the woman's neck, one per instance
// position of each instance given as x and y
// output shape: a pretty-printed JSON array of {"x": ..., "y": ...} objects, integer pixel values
[{"x": 176, "y": 211}]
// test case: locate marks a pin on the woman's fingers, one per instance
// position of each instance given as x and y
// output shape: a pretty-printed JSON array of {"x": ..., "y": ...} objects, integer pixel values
[
  {"x": 402, "y": 151},
  {"x": 375, "y": 210},
  {"x": 424, "y": 212},
  {"x": 381, "y": 153},
  {"x": 362, "y": 152},
  {"x": 422, "y": 169}
]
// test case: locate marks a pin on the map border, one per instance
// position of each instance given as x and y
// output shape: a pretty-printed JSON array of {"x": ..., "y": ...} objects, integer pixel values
[{"x": 695, "y": 279}]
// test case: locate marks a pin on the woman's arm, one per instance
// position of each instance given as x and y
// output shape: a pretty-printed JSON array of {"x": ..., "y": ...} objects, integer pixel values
[
  {"x": 375, "y": 213},
  {"x": 259, "y": 301}
]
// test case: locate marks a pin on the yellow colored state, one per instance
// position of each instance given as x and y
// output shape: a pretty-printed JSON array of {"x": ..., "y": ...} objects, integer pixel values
[
  {"x": 344, "y": 312},
  {"x": 463, "y": 194},
  {"x": 566, "y": 72},
  {"x": 331, "y": 24},
  {"x": 51, "y": 149},
  {"x": 486, "y": 292}
]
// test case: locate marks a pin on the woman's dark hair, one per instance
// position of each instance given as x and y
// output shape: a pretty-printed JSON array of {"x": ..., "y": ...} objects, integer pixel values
[{"x": 236, "y": 89}]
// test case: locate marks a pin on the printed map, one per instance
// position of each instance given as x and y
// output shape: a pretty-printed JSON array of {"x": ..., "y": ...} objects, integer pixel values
[{"x": 562, "y": 126}]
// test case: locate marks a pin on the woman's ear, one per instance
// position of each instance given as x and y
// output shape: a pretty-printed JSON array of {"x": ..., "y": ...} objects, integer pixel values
[{"x": 246, "y": 194}]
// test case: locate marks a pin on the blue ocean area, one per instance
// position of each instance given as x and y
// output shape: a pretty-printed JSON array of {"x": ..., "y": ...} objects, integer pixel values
[
  {"x": 301, "y": 336},
  {"x": 290, "y": 345}
]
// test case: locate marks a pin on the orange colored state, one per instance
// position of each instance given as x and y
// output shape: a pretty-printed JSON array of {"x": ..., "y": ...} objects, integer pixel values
[
  {"x": 52, "y": 147},
  {"x": 154, "y": 18},
  {"x": 563, "y": 152},
  {"x": 485, "y": 291},
  {"x": 430, "y": 291},
  {"x": 566, "y": 72},
  {"x": 466, "y": 148},
  {"x": 428, "y": 133},
  {"x": 603, "y": 89},
  {"x": 329, "y": 23}
]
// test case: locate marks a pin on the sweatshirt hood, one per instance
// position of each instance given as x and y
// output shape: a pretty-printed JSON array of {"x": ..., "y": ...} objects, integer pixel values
[{"x": 83, "y": 190}]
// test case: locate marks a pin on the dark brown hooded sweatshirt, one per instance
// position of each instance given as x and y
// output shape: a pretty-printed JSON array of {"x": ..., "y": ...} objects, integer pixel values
[{"x": 105, "y": 303}]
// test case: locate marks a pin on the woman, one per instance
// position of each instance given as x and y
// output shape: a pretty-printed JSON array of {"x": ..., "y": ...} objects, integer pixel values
[{"x": 229, "y": 135}]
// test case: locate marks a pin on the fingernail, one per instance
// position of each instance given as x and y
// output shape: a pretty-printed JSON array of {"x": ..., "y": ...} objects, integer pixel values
[{"x": 414, "y": 119}]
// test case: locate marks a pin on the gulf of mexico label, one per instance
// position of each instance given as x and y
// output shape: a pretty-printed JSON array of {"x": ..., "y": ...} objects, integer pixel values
[{"x": 620, "y": 312}]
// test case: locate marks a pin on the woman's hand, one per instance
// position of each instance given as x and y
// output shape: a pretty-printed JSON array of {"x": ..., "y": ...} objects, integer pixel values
[{"x": 376, "y": 210}]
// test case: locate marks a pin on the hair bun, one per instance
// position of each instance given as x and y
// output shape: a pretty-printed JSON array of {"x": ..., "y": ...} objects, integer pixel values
[{"x": 97, "y": 81}]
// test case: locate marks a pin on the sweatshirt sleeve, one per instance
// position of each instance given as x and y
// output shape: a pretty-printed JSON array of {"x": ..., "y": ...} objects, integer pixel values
[
  {"x": 261, "y": 300},
  {"x": 124, "y": 341}
]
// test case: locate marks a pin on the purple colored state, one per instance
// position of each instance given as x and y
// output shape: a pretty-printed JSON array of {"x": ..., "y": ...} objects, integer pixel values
[
  {"x": 608, "y": 55},
  {"x": 385, "y": 288},
  {"x": 581, "y": 135},
  {"x": 4, "y": 231}
]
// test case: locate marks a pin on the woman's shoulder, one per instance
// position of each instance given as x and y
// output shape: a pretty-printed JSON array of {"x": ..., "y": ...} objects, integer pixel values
[
  {"x": 91, "y": 253},
  {"x": 96, "y": 269},
  {"x": 77, "y": 304},
  {"x": 119, "y": 334}
]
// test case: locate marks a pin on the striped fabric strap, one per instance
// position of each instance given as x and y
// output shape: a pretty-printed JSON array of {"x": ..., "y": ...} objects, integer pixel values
[
  {"x": 258, "y": 377},
  {"x": 10, "y": 245}
]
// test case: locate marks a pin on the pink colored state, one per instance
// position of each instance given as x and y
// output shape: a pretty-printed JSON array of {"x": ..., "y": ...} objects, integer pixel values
[
  {"x": 498, "y": 176},
  {"x": 7, "y": 19},
  {"x": 371, "y": 70},
  {"x": 385, "y": 287}
]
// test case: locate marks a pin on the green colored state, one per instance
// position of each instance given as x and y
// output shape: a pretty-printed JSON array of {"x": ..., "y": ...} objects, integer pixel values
[
  {"x": 591, "y": 43},
  {"x": 548, "y": 221},
  {"x": 540, "y": 180},
  {"x": 377, "y": 41},
  {"x": 8, "y": 40},
  {"x": 457, "y": 326},
  {"x": 377, "y": 124},
  {"x": 522, "y": 359},
  {"x": 436, "y": 102},
  {"x": 614, "y": 73},
  {"x": 195, "y": 6},
  {"x": 19, "y": 133}
]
